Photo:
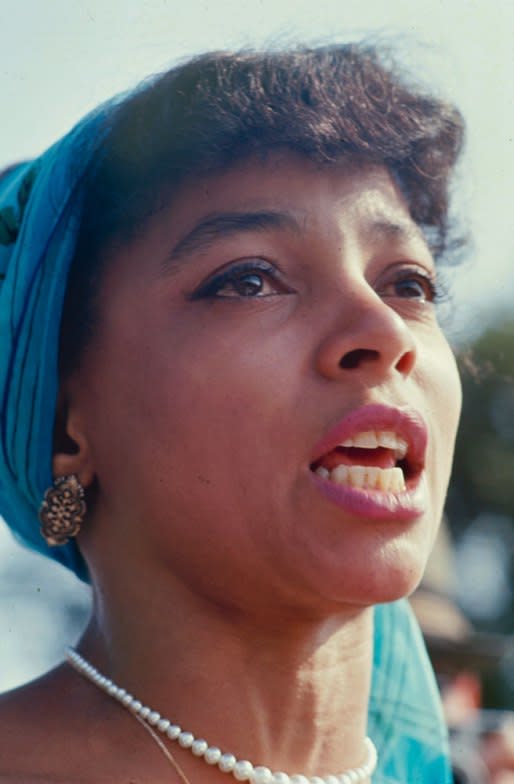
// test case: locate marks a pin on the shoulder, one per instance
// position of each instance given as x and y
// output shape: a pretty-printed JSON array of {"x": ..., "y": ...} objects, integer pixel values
[
  {"x": 41, "y": 732},
  {"x": 24, "y": 716},
  {"x": 60, "y": 730}
]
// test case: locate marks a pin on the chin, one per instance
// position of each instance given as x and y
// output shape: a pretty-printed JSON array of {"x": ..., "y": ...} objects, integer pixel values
[
  {"x": 386, "y": 577},
  {"x": 395, "y": 582}
]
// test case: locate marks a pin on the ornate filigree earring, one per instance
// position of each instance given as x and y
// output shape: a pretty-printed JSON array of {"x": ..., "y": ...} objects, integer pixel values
[{"x": 62, "y": 510}]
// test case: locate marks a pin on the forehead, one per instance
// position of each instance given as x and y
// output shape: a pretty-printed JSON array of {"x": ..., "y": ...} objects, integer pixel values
[
  {"x": 282, "y": 194},
  {"x": 285, "y": 191}
]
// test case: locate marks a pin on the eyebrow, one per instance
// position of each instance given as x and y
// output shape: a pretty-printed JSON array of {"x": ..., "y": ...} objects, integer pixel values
[
  {"x": 221, "y": 225},
  {"x": 226, "y": 224},
  {"x": 393, "y": 230}
]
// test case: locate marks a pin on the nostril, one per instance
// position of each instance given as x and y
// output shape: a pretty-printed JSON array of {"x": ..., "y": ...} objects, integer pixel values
[
  {"x": 352, "y": 359},
  {"x": 406, "y": 362}
]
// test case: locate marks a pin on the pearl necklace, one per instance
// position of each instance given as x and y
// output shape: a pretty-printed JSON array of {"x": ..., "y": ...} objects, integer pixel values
[{"x": 241, "y": 770}]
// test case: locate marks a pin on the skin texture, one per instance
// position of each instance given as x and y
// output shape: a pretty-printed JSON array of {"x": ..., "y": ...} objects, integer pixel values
[{"x": 227, "y": 587}]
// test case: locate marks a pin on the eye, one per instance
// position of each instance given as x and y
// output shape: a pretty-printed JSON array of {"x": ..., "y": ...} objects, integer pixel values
[
  {"x": 245, "y": 284},
  {"x": 413, "y": 284},
  {"x": 245, "y": 280}
]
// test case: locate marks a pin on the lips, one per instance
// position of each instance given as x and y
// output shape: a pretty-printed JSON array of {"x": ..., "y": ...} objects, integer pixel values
[{"x": 372, "y": 462}]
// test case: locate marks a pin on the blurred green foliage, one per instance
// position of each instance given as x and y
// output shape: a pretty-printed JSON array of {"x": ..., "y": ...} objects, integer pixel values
[{"x": 483, "y": 477}]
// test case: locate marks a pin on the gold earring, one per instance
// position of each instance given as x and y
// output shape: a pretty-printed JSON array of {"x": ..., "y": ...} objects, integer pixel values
[{"x": 62, "y": 510}]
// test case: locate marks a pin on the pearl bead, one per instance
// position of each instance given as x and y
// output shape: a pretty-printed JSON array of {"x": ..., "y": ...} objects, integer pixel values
[
  {"x": 186, "y": 739},
  {"x": 127, "y": 699},
  {"x": 242, "y": 770},
  {"x": 331, "y": 780},
  {"x": 344, "y": 779},
  {"x": 173, "y": 732},
  {"x": 145, "y": 712},
  {"x": 136, "y": 706},
  {"x": 316, "y": 780},
  {"x": 299, "y": 779},
  {"x": 281, "y": 778},
  {"x": 227, "y": 763},
  {"x": 153, "y": 718},
  {"x": 163, "y": 724},
  {"x": 261, "y": 775},
  {"x": 199, "y": 747},
  {"x": 213, "y": 755}
]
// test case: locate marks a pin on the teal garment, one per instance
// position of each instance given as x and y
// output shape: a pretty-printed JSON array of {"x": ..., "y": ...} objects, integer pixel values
[
  {"x": 40, "y": 204},
  {"x": 405, "y": 717}
]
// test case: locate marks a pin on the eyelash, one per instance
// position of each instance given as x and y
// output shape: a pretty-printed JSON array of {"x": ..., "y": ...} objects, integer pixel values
[
  {"x": 433, "y": 290},
  {"x": 233, "y": 274}
]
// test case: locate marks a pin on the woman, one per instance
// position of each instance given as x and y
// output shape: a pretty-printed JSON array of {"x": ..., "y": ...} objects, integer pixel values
[{"x": 248, "y": 409}]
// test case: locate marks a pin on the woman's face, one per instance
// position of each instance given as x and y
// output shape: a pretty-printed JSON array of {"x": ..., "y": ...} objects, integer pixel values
[{"x": 266, "y": 316}]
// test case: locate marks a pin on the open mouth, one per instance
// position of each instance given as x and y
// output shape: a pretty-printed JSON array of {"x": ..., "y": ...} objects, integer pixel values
[{"x": 379, "y": 460}]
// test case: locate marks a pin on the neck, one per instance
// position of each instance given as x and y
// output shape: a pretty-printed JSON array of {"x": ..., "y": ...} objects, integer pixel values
[{"x": 284, "y": 690}]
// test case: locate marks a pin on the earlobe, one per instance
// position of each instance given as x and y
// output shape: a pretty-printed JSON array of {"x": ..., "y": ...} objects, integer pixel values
[{"x": 72, "y": 453}]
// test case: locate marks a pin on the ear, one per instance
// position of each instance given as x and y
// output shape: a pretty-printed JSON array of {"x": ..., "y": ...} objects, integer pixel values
[{"x": 72, "y": 453}]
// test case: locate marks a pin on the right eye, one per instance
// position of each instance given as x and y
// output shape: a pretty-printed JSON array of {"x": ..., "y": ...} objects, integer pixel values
[
  {"x": 411, "y": 282},
  {"x": 244, "y": 280}
]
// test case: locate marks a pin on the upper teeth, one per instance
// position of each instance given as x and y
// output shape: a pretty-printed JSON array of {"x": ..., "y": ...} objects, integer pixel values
[
  {"x": 371, "y": 477},
  {"x": 371, "y": 439}
]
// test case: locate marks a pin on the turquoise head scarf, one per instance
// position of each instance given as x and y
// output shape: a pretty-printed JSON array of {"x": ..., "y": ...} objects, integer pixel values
[
  {"x": 39, "y": 216},
  {"x": 40, "y": 207}
]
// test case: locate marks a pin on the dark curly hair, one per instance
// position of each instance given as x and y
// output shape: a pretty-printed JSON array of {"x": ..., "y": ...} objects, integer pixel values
[{"x": 326, "y": 104}]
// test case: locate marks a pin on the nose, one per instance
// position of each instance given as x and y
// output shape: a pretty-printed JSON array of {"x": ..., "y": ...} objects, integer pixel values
[{"x": 368, "y": 339}]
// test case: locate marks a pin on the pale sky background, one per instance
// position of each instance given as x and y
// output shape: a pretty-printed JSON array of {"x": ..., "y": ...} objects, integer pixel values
[{"x": 59, "y": 58}]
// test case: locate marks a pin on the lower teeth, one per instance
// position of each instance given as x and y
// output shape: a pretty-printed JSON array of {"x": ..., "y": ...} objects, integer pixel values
[{"x": 389, "y": 480}]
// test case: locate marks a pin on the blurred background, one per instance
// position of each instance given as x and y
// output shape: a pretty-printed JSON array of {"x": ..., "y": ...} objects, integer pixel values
[{"x": 59, "y": 58}]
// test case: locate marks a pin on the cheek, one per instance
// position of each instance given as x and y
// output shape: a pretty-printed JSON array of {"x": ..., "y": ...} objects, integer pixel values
[
  {"x": 196, "y": 424},
  {"x": 228, "y": 428},
  {"x": 447, "y": 392},
  {"x": 439, "y": 381},
  {"x": 208, "y": 457}
]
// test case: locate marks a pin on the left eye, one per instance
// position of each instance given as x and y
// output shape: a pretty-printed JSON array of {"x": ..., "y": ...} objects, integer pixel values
[
  {"x": 413, "y": 285},
  {"x": 244, "y": 281},
  {"x": 248, "y": 284}
]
